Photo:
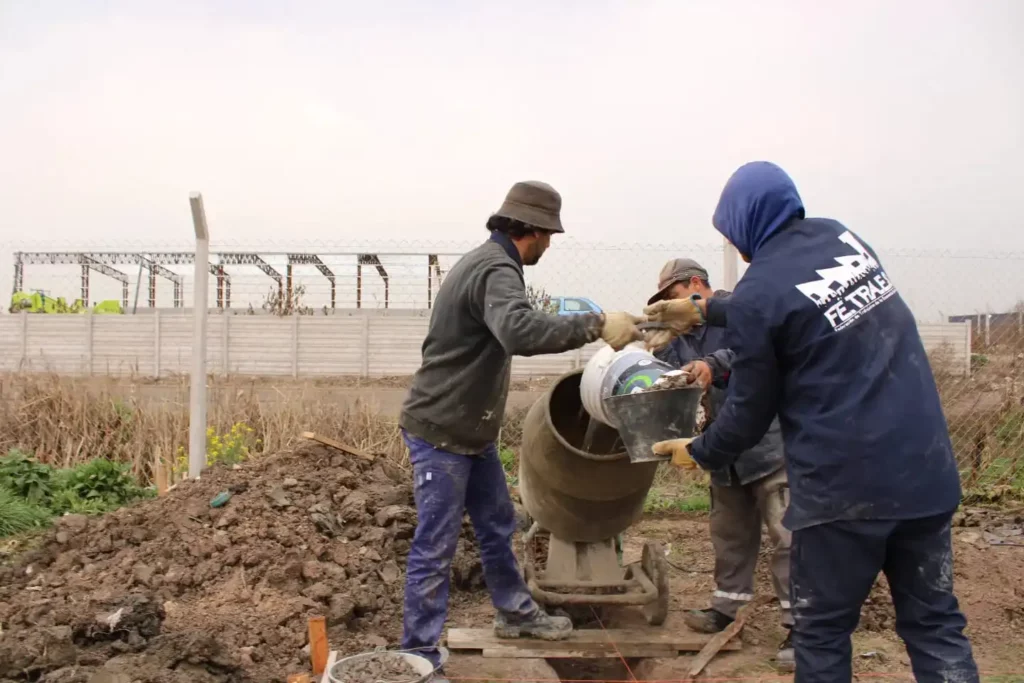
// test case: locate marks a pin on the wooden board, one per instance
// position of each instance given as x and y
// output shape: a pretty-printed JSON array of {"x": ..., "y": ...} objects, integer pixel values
[
  {"x": 344, "y": 448},
  {"x": 589, "y": 643}
]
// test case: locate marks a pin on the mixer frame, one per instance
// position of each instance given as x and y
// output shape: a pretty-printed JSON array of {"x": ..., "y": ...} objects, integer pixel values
[{"x": 589, "y": 574}]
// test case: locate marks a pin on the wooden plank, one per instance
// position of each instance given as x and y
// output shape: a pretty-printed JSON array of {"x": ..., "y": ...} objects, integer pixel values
[
  {"x": 318, "y": 650},
  {"x": 597, "y": 642},
  {"x": 724, "y": 637},
  {"x": 344, "y": 448},
  {"x": 569, "y": 653}
]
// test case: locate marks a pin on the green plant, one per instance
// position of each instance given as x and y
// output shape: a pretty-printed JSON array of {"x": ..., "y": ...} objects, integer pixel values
[
  {"x": 687, "y": 498},
  {"x": 17, "y": 515},
  {"x": 227, "y": 449},
  {"x": 26, "y": 477},
  {"x": 100, "y": 483},
  {"x": 508, "y": 463}
]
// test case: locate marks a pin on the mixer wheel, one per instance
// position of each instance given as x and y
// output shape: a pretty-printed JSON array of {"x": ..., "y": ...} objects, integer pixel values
[{"x": 653, "y": 563}]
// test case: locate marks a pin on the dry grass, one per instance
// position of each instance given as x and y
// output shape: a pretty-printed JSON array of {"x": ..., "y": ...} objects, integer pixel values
[{"x": 66, "y": 420}]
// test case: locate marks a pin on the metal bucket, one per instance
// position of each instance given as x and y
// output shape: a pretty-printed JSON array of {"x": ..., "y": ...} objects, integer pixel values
[
  {"x": 422, "y": 665},
  {"x": 617, "y": 373},
  {"x": 580, "y": 494},
  {"x": 646, "y": 418}
]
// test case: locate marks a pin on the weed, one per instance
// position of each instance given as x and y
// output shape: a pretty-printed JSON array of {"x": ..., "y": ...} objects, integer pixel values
[
  {"x": 227, "y": 449},
  {"x": 100, "y": 483},
  {"x": 17, "y": 515},
  {"x": 689, "y": 497},
  {"x": 22, "y": 475}
]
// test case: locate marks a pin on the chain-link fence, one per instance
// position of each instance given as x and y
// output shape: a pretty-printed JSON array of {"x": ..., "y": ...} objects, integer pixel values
[{"x": 968, "y": 305}]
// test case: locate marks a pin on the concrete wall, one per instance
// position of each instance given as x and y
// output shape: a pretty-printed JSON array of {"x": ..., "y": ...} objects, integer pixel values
[{"x": 298, "y": 346}]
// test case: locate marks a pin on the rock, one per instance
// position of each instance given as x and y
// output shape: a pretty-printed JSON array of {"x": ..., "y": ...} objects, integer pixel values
[
  {"x": 312, "y": 570},
  {"x": 326, "y": 524},
  {"x": 389, "y": 572},
  {"x": 318, "y": 591},
  {"x": 62, "y": 537},
  {"x": 354, "y": 506},
  {"x": 278, "y": 498},
  {"x": 390, "y": 513},
  {"x": 109, "y": 677},
  {"x": 73, "y": 523},
  {"x": 374, "y": 641},
  {"x": 290, "y": 483},
  {"x": 143, "y": 573},
  {"x": 342, "y": 608}
]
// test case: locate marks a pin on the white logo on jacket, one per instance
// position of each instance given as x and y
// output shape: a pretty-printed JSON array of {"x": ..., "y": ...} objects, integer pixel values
[{"x": 852, "y": 288}]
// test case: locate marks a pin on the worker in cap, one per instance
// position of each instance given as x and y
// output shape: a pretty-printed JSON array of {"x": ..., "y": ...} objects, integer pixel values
[
  {"x": 822, "y": 338},
  {"x": 745, "y": 492},
  {"x": 452, "y": 415}
]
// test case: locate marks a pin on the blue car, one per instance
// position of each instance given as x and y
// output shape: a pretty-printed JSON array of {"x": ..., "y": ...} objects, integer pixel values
[{"x": 573, "y": 305}]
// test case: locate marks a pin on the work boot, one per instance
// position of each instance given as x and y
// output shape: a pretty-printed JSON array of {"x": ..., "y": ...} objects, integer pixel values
[
  {"x": 539, "y": 625},
  {"x": 706, "y": 620},
  {"x": 785, "y": 659}
]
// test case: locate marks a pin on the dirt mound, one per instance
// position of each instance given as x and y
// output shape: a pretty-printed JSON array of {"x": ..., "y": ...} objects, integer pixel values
[{"x": 174, "y": 589}]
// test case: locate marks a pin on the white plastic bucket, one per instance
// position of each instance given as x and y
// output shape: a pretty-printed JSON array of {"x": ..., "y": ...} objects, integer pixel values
[
  {"x": 422, "y": 665},
  {"x": 614, "y": 373}
]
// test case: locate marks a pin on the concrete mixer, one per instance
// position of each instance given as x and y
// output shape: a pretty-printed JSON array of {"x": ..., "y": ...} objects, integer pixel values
[{"x": 583, "y": 482}]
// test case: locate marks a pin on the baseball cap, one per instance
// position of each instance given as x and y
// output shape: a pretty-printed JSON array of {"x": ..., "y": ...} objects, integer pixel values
[{"x": 677, "y": 270}]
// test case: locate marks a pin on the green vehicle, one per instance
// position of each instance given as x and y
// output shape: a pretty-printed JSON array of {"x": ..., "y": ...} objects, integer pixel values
[{"x": 38, "y": 302}]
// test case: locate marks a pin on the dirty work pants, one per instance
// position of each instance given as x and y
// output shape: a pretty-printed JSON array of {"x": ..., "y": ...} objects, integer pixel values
[
  {"x": 834, "y": 566},
  {"x": 445, "y": 485},
  {"x": 736, "y": 516}
]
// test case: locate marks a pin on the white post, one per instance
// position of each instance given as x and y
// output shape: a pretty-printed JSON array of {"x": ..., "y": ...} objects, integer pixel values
[
  {"x": 730, "y": 265},
  {"x": 197, "y": 397}
]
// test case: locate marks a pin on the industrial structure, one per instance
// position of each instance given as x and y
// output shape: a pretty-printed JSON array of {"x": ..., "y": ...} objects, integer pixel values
[{"x": 155, "y": 264}]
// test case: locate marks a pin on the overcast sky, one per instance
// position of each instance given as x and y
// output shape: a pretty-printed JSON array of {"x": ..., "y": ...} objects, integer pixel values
[{"x": 345, "y": 121}]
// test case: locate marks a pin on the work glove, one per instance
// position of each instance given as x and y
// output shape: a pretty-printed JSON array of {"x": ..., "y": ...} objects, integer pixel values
[
  {"x": 681, "y": 315},
  {"x": 656, "y": 340},
  {"x": 620, "y": 329},
  {"x": 679, "y": 449}
]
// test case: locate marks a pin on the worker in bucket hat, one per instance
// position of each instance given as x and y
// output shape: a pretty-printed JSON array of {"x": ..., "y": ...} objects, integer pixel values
[
  {"x": 823, "y": 339},
  {"x": 453, "y": 412},
  {"x": 749, "y": 491}
]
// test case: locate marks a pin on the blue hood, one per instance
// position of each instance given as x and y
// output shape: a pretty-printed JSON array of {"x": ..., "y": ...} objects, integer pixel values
[{"x": 756, "y": 202}]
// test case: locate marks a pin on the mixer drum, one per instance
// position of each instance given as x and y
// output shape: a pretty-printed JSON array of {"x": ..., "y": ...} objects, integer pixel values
[{"x": 578, "y": 495}]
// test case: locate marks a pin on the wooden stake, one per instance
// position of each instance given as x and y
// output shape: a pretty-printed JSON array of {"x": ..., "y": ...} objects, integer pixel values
[
  {"x": 344, "y": 448},
  {"x": 159, "y": 472},
  {"x": 318, "y": 650},
  {"x": 721, "y": 638}
]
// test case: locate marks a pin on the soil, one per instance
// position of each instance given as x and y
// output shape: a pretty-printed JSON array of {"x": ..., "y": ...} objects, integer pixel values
[
  {"x": 376, "y": 668},
  {"x": 174, "y": 590}
]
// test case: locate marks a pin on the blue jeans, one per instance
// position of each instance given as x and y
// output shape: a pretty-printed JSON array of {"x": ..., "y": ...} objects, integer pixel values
[
  {"x": 832, "y": 569},
  {"x": 446, "y": 485}
]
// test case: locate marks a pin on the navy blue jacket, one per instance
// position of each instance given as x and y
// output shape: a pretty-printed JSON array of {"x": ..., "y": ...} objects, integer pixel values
[
  {"x": 822, "y": 338},
  {"x": 708, "y": 344}
]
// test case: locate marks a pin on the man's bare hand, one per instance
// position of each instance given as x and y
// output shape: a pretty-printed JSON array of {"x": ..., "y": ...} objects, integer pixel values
[{"x": 699, "y": 372}]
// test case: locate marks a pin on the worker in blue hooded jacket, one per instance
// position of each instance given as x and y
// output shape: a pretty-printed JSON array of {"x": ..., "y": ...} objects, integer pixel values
[{"x": 823, "y": 339}]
